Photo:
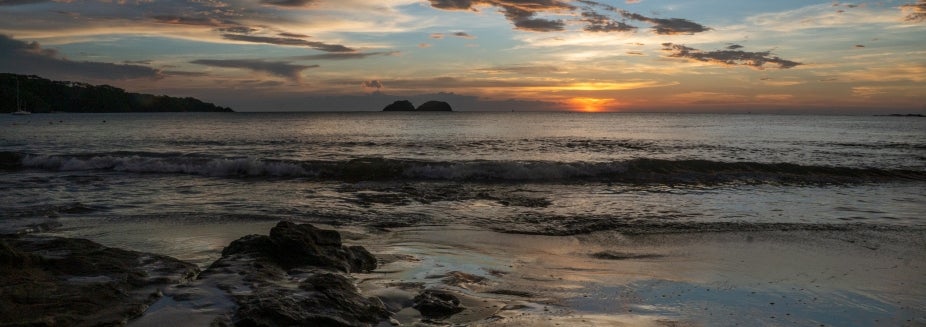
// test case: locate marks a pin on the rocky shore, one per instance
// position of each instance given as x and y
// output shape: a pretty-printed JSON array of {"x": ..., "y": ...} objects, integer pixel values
[{"x": 298, "y": 275}]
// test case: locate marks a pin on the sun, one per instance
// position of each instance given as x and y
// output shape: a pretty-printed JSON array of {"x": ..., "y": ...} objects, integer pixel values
[{"x": 591, "y": 104}]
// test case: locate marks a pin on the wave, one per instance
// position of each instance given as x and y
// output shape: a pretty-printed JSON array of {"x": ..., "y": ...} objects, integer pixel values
[{"x": 628, "y": 171}]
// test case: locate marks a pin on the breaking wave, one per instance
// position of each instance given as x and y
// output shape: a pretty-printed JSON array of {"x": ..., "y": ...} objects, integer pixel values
[{"x": 628, "y": 171}]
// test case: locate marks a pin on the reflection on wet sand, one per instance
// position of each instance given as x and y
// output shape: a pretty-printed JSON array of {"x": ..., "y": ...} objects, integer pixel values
[{"x": 747, "y": 278}]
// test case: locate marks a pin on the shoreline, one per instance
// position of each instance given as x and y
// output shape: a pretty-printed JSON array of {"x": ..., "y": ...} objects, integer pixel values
[{"x": 813, "y": 277}]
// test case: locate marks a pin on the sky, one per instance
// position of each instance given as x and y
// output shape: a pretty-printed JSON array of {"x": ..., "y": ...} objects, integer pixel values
[{"x": 784, "y": 56}]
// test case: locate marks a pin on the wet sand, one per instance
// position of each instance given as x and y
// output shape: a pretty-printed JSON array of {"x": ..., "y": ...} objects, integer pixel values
[
  {"x": 854, "y": 277},
  {"x": 771, "y": 278}
]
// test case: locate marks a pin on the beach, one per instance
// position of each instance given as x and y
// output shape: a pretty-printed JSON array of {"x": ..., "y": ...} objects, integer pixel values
[{"x": 524, "y": 219}]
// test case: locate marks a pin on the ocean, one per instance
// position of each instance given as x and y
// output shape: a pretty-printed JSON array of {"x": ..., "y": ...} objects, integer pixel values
[
  {"x": 543, "y": 173},
  {"x": 185, "y": 184}
]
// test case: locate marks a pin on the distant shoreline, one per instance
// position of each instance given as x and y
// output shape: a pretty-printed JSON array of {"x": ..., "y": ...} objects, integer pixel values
[{"x": 35, "y": 94}]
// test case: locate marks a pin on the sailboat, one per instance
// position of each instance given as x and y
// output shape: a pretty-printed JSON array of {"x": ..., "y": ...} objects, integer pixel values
[{"x": 19, "y": 110}]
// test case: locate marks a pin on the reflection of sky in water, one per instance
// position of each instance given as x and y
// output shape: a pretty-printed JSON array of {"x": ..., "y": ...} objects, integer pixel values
[{"x": 747, "y": 307}]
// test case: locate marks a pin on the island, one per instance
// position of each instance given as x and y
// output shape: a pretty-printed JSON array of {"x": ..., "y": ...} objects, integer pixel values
[
  {"x": 405, "y": 105},
  {"x": 37, "y": 95}
]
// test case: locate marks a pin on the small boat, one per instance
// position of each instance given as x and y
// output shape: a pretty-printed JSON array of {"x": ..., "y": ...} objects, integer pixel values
[{"x": 19, "y": 110}]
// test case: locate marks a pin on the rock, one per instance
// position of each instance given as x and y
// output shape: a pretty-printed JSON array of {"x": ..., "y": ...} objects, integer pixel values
[
  {"x": 11, "y": 160},
  {"x": 435, "y": 304},
  {"x": 296, "y": 276},
  {"x": 290, "y": 245},
  {"x": 434, "y": 106},
  {"x": 401, "y": 105},
  {"x": 52, "y": 281}
]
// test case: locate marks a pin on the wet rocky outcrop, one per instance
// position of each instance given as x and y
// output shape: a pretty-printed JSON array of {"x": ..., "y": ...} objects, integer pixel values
[
  {"x": 53, "y": 281},
  {"x": 400, "y": 105},
  {"x": 295, "y": 276},
  {"x": 436, "y": 304},
  {"x": 434, "y": 106}
]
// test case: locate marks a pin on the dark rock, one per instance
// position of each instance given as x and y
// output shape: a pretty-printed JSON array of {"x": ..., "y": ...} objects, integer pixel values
[
  {"x": 50, "y": 281},
  {"x": 290, "y": 245},
  {"x": 434, "y": 106},
  {"x": 435, "y": 304},
  {"x": 10, "y": 160},
  {"x": 296, "y": 276},
  {"x": 611, "y": 255},
  {"x": 401, "y": 105}
]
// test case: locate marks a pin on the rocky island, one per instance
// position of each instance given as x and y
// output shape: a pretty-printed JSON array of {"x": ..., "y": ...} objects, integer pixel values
[{"x": 405, "y": 105}]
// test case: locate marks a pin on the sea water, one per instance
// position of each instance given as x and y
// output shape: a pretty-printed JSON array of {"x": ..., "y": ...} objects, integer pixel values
[{"x": 520, "y": 172}]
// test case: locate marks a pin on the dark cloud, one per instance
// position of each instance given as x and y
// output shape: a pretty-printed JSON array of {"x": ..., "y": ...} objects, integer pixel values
[
  {"x": 277, "y": 68},
  {"x": 729, "y": 57},
  {"x": 30, "y": 58},
  {"x": 734, "y": 47},
  {"x": 184, "y": 73},
  {"x": 463, "y": 35},
  {"x": 343, "y": 55},
  {"x": 288, "y": 3},
  {"x": 238, "y": 29},
  {"x": 20, "y": 2},
  {"x": 916, "y": 11},
  {"x": 599, "y": 5},
  {"x": 524, "y": 20},
  {"x": 521, "y": 13},
  {"x": 668, "y": 26},
  {"x": 321, "y": 46},
  {"x": 137, "y": 62},
  {"x": 184, "y": 20},
  {"x": 601, "y": 23},
  {"x": 455, "y": 4},
  {"x": 284, "y": 34}
]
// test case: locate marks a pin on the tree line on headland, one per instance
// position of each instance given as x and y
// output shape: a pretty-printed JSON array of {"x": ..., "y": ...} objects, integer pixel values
[{"x": 38, "y": 94}]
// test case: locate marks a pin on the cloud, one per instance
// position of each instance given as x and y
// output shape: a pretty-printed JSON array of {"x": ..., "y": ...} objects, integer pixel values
[
  {"x": 372, "y": 84},
  {"x": 524, "y": 20},
  {"x": 343, "y": 55},
  {"x": 186, "y": 20},
  {"x": 437, "y": 36},
  {"x": 463, "y": 35},
  {"x": 601, "y": 23},
  {"x": 729, "y": 57},
  {"x": 30, "y": 58},
  {"x": 277, "y": 68},
  {"x": 521, "y": 69},
  {"x": 664, "y": 26},
  {"x": 288, "y": 3},
  {"x": 668, "y": 26},
  {"x": 521, "y": 13},
  {"x": 321, "y": 46},
  {"x": 916, "y": 12},
  {"x": 424, "y": 45},
  {"x": 20, "y": 2}
]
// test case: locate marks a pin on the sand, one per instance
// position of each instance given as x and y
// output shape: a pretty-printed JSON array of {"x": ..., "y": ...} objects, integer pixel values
[{"x": 853, "y": 277}]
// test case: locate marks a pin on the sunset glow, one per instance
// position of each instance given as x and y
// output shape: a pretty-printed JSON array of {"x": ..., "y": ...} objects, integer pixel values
[
  {"x": 592, "y": 104},
  {"x": 683, "y": 55}
]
